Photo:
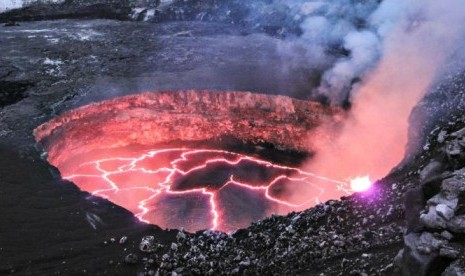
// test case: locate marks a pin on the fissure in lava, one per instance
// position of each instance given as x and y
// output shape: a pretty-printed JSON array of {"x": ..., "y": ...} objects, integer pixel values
[
  {"x": 127, "y": 150},
  {"x": 199, "y": 189}
]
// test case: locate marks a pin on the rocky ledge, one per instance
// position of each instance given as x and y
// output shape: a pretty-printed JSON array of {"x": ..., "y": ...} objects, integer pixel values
[
  {"x": 434, "y": 242},
  {"x": 150, "y": 119}
]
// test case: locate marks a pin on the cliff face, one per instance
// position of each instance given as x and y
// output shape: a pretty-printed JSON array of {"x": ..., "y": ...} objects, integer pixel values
[{"x": 149, "y": 119}]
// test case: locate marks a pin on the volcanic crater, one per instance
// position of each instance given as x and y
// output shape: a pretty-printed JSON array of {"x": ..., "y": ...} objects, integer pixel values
[{"x": 194, "y": 159}]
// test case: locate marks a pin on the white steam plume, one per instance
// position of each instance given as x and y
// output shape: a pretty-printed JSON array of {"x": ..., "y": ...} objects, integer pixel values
[
  {"x": 416, "y": 38},
  {"x": 338, "y": 40}
]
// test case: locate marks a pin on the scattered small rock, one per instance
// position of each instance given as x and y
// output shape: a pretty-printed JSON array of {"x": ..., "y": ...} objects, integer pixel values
[
  {"x": 123, "y": 240},
  {"x": 449, "y": 252},
  {"x": 131, "y": 259},
  {"x": 147, "y": 244}
]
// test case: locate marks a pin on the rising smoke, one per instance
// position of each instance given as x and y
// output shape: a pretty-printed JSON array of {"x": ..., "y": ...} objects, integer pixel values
[
  {"x": 390, "y": 66},
  {"x": 338, "y": 40}
]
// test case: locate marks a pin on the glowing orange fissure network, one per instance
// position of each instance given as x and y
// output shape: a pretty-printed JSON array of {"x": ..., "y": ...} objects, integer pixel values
[{"x": 137, "y": 182}]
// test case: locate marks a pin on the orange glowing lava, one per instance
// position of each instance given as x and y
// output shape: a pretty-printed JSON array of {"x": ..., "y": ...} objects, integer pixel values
[
  {"x": 206, "y": 186},
  {"x": 194, "y": 159}
]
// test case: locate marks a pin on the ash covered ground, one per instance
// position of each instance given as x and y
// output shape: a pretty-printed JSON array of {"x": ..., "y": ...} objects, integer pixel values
[{"x": 411, "y": 222}]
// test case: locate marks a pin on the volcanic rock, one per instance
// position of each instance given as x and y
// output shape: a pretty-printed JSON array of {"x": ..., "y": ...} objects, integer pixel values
[
  {"x": 11, "y": 24},
  {"x": 418, "y": 254},
  {"x": 445, "y": 211},
  {"x": 457, "y": 268},
  {"x": 123, "y": 240},
  {"x": 446, "y": 235},
  {"x": 131, "y": 259},
  {"x": 273, "y": 18},
  {"x": 449, "y": 252},
  {"x": 432, "y": 169},
  {"x": 432, "y": 219},
  {"x": 441, "y": 189},
  {"x": 147, "y": 244},
  {"x": 457, "y": 224}
]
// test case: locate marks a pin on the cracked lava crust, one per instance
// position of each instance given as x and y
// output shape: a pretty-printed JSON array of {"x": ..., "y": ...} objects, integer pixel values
[{"x": 194, "y": 159}]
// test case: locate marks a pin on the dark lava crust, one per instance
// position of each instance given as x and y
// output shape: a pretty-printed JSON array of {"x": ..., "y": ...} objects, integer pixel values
[{"x": 12, "y": 92}]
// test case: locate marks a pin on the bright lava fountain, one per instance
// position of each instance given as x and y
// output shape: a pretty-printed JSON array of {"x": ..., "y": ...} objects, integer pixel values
[{"x": 193, "y": 159}]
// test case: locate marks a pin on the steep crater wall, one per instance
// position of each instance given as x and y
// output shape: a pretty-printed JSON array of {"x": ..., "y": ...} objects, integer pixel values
[
  {"x": 215, "y": 159},
  {"x": 149, "y": 119}
]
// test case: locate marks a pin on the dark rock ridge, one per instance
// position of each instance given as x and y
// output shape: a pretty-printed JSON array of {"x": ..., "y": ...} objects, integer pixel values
[
  {"x": 272, "y": 18},
  {"x": 443, "y": 103},
  {"x": 434, "y": 242},
  {"x": 72, "y": 9}
]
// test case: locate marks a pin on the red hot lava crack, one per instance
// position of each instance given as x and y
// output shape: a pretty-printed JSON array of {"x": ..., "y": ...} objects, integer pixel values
[
  {"x": 152, "y": 178},
  {"x": 163, "y": 155}
]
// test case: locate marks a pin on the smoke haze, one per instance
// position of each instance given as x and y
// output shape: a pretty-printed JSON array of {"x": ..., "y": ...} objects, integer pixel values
[{"x": 413, "y": 39}]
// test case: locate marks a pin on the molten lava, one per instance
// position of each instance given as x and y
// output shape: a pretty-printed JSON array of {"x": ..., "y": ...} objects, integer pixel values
[
  {"x": 200, "y": 189},
  {"x": 168, "y": 156}
]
